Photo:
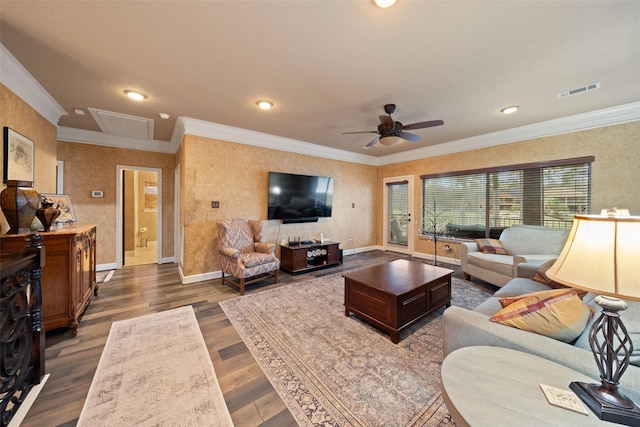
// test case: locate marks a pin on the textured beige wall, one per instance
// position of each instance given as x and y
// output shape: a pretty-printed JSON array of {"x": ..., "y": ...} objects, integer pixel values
[
  {"x": 19, "y": 116},
  {"x": 615, "y": 172},
  {"x": 236, "y": 175},
  {"x": 92, "y": 167}
]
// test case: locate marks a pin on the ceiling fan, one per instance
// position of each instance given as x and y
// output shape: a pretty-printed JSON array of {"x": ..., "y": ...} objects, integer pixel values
[{"x": 391, "y": 132}]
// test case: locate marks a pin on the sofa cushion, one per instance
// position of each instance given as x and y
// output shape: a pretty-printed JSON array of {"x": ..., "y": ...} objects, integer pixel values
[
  {"x": 489, "y": 307},
  {"x": 522, "y": 239},
  {"x": 502, "y": 264},
  {"x": 253, "y": 259},
  {"x": 630, "y": 318},
  {"x": 556, "y": 313},
  {"x": 520, "y": 286},
  {"x": 491, "y": 246}
]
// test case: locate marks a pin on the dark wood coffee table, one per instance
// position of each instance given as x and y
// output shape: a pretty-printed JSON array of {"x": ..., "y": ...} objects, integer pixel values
[{"x": 394, "y": 295}]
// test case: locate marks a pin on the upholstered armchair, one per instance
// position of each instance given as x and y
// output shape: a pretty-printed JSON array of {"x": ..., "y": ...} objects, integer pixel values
[{"x": 243, "y": 255}]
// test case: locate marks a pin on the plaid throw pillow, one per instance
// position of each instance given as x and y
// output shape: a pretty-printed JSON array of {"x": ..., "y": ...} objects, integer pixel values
[
  {"x": 491, "y": 246},
  {"x": 541, "y": 276},
  {"x": 558, "y": 313}
]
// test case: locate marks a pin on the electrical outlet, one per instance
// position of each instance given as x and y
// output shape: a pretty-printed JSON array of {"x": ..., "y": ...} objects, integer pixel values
[{"x": 215, "y": 205}]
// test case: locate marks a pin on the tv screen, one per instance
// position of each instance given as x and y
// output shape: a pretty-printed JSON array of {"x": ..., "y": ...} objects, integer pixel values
[{"x": 299, "y": 197}]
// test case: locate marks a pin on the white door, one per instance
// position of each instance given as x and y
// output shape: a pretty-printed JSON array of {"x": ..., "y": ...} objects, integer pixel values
[{"x": 398, "y": 214}]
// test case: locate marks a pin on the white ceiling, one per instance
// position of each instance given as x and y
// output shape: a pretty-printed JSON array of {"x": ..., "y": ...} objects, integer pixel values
[{"x": 329, "y": 66}]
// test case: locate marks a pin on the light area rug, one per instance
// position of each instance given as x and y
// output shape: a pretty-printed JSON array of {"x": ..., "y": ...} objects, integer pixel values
[
  {"x": 155, "y": 370},
  {"x": 333, "y": 370}
]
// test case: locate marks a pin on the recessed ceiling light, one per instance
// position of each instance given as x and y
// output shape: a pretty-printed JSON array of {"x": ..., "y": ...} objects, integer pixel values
[
  {"x": 510, "y": 110},
  {"x": 384, "y": 3},
  {"x": 79, "y": 111},
  {"x": 135, "y": 95},
  {"x": 265, "y": 105},
  {"x": 164, "y": 116}
]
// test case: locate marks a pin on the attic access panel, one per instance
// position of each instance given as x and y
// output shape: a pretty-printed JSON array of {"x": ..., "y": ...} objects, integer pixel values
[{"x": 123, "y": 124}]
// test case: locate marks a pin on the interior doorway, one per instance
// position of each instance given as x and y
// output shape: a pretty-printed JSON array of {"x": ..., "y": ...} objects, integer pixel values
[
  {"x": 139, "y": 213},
  {"x": 398, "y": 214}
]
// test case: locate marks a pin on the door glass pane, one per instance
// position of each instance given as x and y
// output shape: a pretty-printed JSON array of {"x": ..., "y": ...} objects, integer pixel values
[{"x": 398, "y": 209}]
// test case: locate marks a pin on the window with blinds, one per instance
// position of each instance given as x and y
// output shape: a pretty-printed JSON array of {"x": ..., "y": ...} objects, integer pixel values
[{"x": 482, "y": 203}]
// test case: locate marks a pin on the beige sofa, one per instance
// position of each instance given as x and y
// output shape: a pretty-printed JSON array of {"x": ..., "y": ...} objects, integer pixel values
[
  {"x": 529, "y": 246},
  {"x": 465, "y": 328}
]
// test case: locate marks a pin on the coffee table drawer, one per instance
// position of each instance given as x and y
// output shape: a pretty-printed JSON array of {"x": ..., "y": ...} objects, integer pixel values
[
  {"x": 374, "y": 304},
  {"x": 440, "y": 293},
  {"x": 412, "y": 307}
]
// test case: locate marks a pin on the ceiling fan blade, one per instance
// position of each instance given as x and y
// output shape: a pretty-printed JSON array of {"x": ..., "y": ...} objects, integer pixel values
[
  {"x": 386, "y": 120},
  {"x": 373, "y": 142},
  {"x": 364, "y": 131},
  {"x": 421, "y": 125},
  {"x": 410, "y": 136}
]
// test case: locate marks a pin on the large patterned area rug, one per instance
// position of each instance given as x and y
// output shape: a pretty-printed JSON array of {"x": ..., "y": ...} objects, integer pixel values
[
  {"x": 155, "y": 370},
  {"x": 335, "y": 370}
]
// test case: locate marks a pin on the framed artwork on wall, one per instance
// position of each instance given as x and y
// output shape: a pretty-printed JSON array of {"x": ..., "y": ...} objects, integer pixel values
[
  {"x": 62, "y": 202},
  {"x": 19, "y": 153}
]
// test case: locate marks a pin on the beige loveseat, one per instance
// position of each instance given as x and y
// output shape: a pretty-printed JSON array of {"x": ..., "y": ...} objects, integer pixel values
[{"x": 529, "y": 247}]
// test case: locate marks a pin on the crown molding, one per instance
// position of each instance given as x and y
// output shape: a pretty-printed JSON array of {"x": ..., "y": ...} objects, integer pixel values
[
  {"x": 244, "y": 136},
  {"x": 99, "y": 138},
  {"x": 594, "y": 119},
  {"x": 186, "y": 125},
  {"x": 17, "y": 79}
]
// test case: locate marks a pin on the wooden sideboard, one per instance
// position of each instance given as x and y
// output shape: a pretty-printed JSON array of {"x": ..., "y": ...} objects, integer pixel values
[{"x": 69, "y": 275}]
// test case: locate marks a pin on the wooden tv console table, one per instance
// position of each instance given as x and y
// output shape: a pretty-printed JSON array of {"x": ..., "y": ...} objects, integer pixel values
[{"x": 300, "y": 258}]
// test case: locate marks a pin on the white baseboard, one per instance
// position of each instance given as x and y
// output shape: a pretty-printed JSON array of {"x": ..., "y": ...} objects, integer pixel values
[
  {"x": 110, "y": 266},
  {"x": 28, "y": 402}
]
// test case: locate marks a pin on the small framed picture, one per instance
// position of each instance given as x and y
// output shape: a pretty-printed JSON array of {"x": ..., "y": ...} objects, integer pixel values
[
  {"x": 19, "y": 153},
  {"x": 62, "y": 202}
]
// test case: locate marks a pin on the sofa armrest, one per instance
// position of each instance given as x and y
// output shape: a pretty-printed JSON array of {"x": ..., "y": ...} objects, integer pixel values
[
  {"x": 517, "y": 260},
  {"x": 466, "y": 328},
  {"x": 231, "y": 253},
  {"x": 265, "y": 247},
  {"x": 527, "y": 269},
  {"x": 464, "y": 249}
]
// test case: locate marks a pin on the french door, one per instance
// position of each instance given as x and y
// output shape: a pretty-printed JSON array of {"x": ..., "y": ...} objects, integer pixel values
[{"x": 398, "y": 214}]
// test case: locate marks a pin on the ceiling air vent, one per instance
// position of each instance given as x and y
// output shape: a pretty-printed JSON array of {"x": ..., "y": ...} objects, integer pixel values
[{"x": 578, "y": 90}]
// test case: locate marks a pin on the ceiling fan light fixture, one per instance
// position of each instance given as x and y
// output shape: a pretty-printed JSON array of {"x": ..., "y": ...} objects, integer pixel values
[
  {"x": 265, "y": 105},
  {"x": 510, "y": 110},
  {"x": 384, "y": 3},
  {"x": 390, "y": 140},
  {"x": 137, "y": 96}
]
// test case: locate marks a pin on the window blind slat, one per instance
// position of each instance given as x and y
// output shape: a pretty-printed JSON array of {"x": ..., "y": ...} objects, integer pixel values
[{"x": 483, "y": 204}]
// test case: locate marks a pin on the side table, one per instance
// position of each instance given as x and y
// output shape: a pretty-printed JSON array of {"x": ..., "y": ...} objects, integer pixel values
[{"x": 494, "y": 386}]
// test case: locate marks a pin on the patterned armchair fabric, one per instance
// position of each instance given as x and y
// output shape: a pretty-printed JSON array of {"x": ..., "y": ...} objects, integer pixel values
[{"x": 243, "y": 255}]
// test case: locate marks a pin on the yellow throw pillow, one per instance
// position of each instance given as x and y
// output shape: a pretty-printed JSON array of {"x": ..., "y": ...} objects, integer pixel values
[
  {"x": 557, "y": 313},
  {"x": 491, "y": 246}
]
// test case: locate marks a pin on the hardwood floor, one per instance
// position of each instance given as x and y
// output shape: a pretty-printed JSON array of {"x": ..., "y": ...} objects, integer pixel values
[{"x": 137, "y": 290}]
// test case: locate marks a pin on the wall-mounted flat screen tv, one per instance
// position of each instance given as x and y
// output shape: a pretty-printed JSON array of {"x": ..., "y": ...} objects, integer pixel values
[{"x": 299, "y": 198}]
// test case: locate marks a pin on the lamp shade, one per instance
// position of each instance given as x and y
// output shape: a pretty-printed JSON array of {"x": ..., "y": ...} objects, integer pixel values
[{"x": 601, "y": 255}]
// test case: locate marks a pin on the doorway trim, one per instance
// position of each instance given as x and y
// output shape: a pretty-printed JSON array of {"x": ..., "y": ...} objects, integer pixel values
[
  {"x": 409, "y": 249},
  {"x": 119, "y": 221}
]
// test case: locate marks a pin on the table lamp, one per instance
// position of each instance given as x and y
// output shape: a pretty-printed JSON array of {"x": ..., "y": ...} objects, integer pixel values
[{"x": 601, "y": 255}]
